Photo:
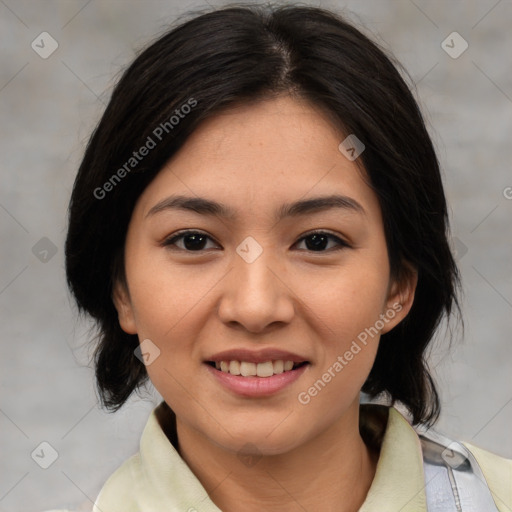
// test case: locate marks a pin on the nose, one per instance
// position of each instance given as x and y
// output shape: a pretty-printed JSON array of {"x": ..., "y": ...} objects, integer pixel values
[{"x": 256, "y": 295}]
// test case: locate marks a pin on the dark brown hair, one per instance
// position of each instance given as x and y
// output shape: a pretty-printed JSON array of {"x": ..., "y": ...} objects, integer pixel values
[{"x": 242, "y": 54}]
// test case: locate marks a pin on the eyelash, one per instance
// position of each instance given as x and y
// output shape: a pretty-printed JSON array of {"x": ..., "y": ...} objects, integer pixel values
[{"x": 181, "y": 234}]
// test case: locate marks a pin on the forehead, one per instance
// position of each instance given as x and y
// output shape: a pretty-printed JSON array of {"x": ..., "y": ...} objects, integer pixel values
[{"x": 255, "y": 157}]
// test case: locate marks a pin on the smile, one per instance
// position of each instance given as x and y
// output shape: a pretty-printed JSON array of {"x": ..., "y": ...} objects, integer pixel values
[
  {"x": 256, "y": 380},
  {"x": 248, "y": 369}
]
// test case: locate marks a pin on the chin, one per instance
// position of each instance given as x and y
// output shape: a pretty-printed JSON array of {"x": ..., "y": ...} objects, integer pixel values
[{"x": 261, "y": 438}]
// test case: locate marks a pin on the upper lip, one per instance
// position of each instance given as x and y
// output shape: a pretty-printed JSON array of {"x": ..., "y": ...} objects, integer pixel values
[{"x": 256, "y": 356}]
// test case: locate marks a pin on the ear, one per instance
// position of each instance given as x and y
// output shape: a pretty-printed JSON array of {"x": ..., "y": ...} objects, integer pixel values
[
  {"x": 400, "y": 298},
  {"x": 123, "y": 304}
]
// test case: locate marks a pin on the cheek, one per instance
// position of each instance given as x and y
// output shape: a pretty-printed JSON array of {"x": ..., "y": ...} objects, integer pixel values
[
  {"x": 347, "y": 349},
  {"x": 345, "y": 301},
  {"x": 169, "y": 303},
  {"x": 344, "y": 313},
  {"x": 165, "y": 294}
]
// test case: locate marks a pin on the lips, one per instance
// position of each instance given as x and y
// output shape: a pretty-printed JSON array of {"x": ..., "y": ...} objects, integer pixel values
[
  {"x": 266, "y": 364},
  {"x": 254, "y": 386}
]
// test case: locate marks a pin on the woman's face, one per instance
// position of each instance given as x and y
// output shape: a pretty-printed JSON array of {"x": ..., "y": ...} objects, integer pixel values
[{"x": 252, "y": 285}]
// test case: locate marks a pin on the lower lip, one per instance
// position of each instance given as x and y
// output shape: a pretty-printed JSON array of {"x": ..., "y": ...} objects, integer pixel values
[{"x": 256, "y": 386}]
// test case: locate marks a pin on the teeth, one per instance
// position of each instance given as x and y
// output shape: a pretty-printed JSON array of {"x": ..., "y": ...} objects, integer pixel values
[
  {"x": 266, "y": 369},
  {"x": 247, "y": 369},
  {"x": 278, "y": 366},
  {"x": 234, "y": 367}
]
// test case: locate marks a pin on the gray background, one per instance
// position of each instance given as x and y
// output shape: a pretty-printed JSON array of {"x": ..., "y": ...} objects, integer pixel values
[{"x": 48, "y": 108}]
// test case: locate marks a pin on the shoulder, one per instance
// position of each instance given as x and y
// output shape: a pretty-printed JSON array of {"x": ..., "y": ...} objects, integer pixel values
[{"x": 498, "y": 474}]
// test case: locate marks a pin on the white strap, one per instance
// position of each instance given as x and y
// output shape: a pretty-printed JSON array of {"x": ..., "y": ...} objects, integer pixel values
[{"x": 454, "y": 481}]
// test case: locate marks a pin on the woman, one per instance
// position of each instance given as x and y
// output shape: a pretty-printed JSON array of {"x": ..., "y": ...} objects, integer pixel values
[{"x": 259, "y": 227}]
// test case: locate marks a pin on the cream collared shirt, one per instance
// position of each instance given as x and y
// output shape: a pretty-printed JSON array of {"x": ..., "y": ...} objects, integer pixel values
[{"x": 157, "y": 479}]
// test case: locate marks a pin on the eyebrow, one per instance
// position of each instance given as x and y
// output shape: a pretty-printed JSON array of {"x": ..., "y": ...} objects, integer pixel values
[{"x": 204, "y": 206}]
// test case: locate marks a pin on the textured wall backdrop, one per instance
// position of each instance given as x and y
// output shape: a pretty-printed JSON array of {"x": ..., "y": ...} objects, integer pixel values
[{"x": 59, "y": 60}]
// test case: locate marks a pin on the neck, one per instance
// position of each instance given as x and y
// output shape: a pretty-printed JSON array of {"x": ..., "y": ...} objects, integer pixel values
[{"x": 331, "y": 472}]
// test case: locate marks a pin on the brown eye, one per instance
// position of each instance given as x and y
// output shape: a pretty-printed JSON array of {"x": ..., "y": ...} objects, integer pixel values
[
  {"x": 196, "y": 241},
  {"x": 318, "y": 240},
  {"x": 192, "y": 241}
]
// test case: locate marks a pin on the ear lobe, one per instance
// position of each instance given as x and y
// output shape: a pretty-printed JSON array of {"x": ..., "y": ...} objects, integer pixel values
[
  {"x": 400, "y": 298},
  {"x": 122, "y": 303}
]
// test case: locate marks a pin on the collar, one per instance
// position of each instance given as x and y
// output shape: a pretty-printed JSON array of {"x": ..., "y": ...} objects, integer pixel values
[
  {"x": 399, "y": 479},
  {"x": 158, "y": 475}
]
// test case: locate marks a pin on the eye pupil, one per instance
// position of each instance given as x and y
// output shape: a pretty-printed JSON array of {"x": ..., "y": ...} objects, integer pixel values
[
  {"x": 197, "y": 243},
  {"x": 318, "y": 241}
]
